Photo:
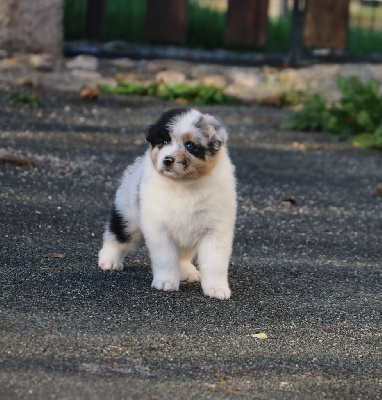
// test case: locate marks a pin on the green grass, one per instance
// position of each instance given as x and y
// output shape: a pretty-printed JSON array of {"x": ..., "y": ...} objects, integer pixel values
[
  {"x": 24, "y": 99},
  {"x": 278, "y": 35},
  {"x": 362, "y": 41},
  {"x": 205, "y": 26},
  {"x": 199, "y": 94}
]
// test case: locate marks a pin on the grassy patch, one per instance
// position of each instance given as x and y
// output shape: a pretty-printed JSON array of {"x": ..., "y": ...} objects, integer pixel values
[
  {"x": 356, "y": 115},
  {"x": 199, "y": 94},
  {"x": 24, "y": 99}
]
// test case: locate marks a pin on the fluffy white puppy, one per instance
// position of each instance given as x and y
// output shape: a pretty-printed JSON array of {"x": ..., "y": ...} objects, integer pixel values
[{"x": 179, "y": 198}]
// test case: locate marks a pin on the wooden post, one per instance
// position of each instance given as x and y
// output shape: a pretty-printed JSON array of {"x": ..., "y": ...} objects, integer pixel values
[
  {"x": 166, "y": 21},
  {"x": 247, "y": 22},
  {"x": 326, "y": 24},
  {"x": 95, "y": 19}
]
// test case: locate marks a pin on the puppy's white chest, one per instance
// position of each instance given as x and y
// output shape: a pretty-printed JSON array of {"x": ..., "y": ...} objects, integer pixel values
[
  {"x": 183, "y": 215},
  {"x": 188, "y": 226}
]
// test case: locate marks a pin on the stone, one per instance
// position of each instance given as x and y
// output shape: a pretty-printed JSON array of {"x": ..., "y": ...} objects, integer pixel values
[
  {"x": 123, "y": 63},
  {"x": 83, "y": 75},
  {"x": 9, "y": 63},
  {"x": 130, "y": 78},
  {"x": 202, "y": 70},
  {"x": 82, "y": 62},
  {"x": 170, "y": 78},
  {"x": 258, "y": 92},
  {"x": 41, "y": 62},
  {"x": 245, "y": 79},
  {"x": 217, "y": 81},
  {"x": 289, "y": 75},
  {"x": 28, "y": 82},
  {"x": 375, "y": 72},
  {"x": 348, "y": 70},
  {"x": 150, "y": 67},
  {"x": 31, "y": 26}
]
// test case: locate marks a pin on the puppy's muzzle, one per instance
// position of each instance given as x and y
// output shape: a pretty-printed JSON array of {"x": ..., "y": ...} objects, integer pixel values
[{"x": 168, "y": 161}]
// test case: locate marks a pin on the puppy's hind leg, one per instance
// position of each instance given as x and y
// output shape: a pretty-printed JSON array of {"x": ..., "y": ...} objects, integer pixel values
[
  {"x": 188, "y": 272},
  {"x": 118, "y": 239}
]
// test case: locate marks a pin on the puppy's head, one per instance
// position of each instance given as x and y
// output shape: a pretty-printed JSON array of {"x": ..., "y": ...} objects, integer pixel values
[{"x": 185, "y": 144}]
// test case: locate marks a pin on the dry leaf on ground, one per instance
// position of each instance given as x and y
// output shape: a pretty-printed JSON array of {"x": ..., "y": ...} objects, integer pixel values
[
  {"x": 379, "y": 189},
  {"x": 89, "y": 93},
  {"x": 53, "y": 255},
  {"x": 22, "y": 162},
  {"x": 260, "y": 335}
]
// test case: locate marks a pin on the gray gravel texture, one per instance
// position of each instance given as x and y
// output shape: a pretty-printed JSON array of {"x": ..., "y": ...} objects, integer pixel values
[{"x": 306, "y": 266}]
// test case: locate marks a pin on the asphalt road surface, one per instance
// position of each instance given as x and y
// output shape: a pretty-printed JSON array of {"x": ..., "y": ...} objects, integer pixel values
[{"x": 306, "y": 265}]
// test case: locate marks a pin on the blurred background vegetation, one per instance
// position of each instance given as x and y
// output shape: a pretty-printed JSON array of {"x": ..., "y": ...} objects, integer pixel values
[{"x": 125, "y": 20}]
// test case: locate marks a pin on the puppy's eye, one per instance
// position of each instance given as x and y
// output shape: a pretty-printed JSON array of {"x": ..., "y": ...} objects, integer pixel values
[
  {"x": 161, "y": 144},
  {"x": 190, "y": 146}
]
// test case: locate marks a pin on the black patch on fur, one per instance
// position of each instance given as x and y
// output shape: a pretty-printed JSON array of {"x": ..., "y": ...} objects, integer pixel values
[
  {"x": 200, "y": 124},
  {"x": 118, "y": 226},
  {"x": 201, "y": 152},
  {"x": 185, "y": 163},
  {"x": 214, "y": 146},
  {"x": 198, "y": 151},
  {"x": 159, "y": 132}
]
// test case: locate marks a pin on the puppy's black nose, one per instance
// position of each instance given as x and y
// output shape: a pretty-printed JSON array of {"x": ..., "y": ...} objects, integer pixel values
[{"x": 167, "y": 161}]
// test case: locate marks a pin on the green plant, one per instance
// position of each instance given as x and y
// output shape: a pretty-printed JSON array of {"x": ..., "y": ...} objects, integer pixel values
[
  {"x": 356, "y": 115},
  {"x": 23, "y": 98},
  {"x": 199, "y": 94}
]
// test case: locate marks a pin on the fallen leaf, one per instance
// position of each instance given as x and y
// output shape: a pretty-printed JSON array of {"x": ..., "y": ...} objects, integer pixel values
[
  {"x": 181, "y": 101},
  {"x": 299, "y": 146},
  {"x": 53, "y": 255},
  {"x": 379, "y": 189},
  {"x": 260, "y": 335},
  {"x": 290, "y": 202},
  {"x": 231, "y": 391},
  {"x": 283, "y": 385},
  {"x": 89, "y": 93},
  {"x": 22, "y": 162}
]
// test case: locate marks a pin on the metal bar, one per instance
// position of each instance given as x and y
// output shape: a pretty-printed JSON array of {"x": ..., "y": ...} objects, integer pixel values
[
  {"x": 296, "y": 38},
  {"x": 95, "y": 19}
]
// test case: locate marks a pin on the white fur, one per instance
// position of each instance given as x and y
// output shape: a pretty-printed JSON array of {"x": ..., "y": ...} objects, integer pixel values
[{"x": 178, "y": 218}]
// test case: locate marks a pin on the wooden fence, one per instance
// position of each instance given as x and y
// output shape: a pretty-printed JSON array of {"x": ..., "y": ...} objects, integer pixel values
[{"x": 323, "y": 23}]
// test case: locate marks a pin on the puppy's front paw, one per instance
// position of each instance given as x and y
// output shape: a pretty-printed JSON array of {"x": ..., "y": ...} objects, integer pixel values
[
  {"x": 188, "y": 273},
  {"x": 166, "y": 285},
  {"x": 221, "y": 293},
  {"x": 109, "y": 261}
]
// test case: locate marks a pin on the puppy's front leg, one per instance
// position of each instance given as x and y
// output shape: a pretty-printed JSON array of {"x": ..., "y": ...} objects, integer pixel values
[
  {"x": 213, "y": 256},
  {"x": 164, "y": 262}
]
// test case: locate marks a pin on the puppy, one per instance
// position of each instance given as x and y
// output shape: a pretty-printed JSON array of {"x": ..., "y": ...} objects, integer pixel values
[{"x": 180, "y": 199}]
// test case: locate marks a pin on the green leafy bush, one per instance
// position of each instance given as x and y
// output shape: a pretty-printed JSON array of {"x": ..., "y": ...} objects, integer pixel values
[
  {"x": 199, "y": 94},
  {"x": 356, "y": 115}
]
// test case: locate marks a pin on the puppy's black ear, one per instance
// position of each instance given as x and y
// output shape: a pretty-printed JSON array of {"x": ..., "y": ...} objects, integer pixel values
[
  {"x": 159, "y": 132},
  {"x": 153, "y": 134}
]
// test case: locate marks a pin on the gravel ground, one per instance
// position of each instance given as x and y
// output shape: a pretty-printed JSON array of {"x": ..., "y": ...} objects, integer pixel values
[{"x": 306, "y": 265}]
